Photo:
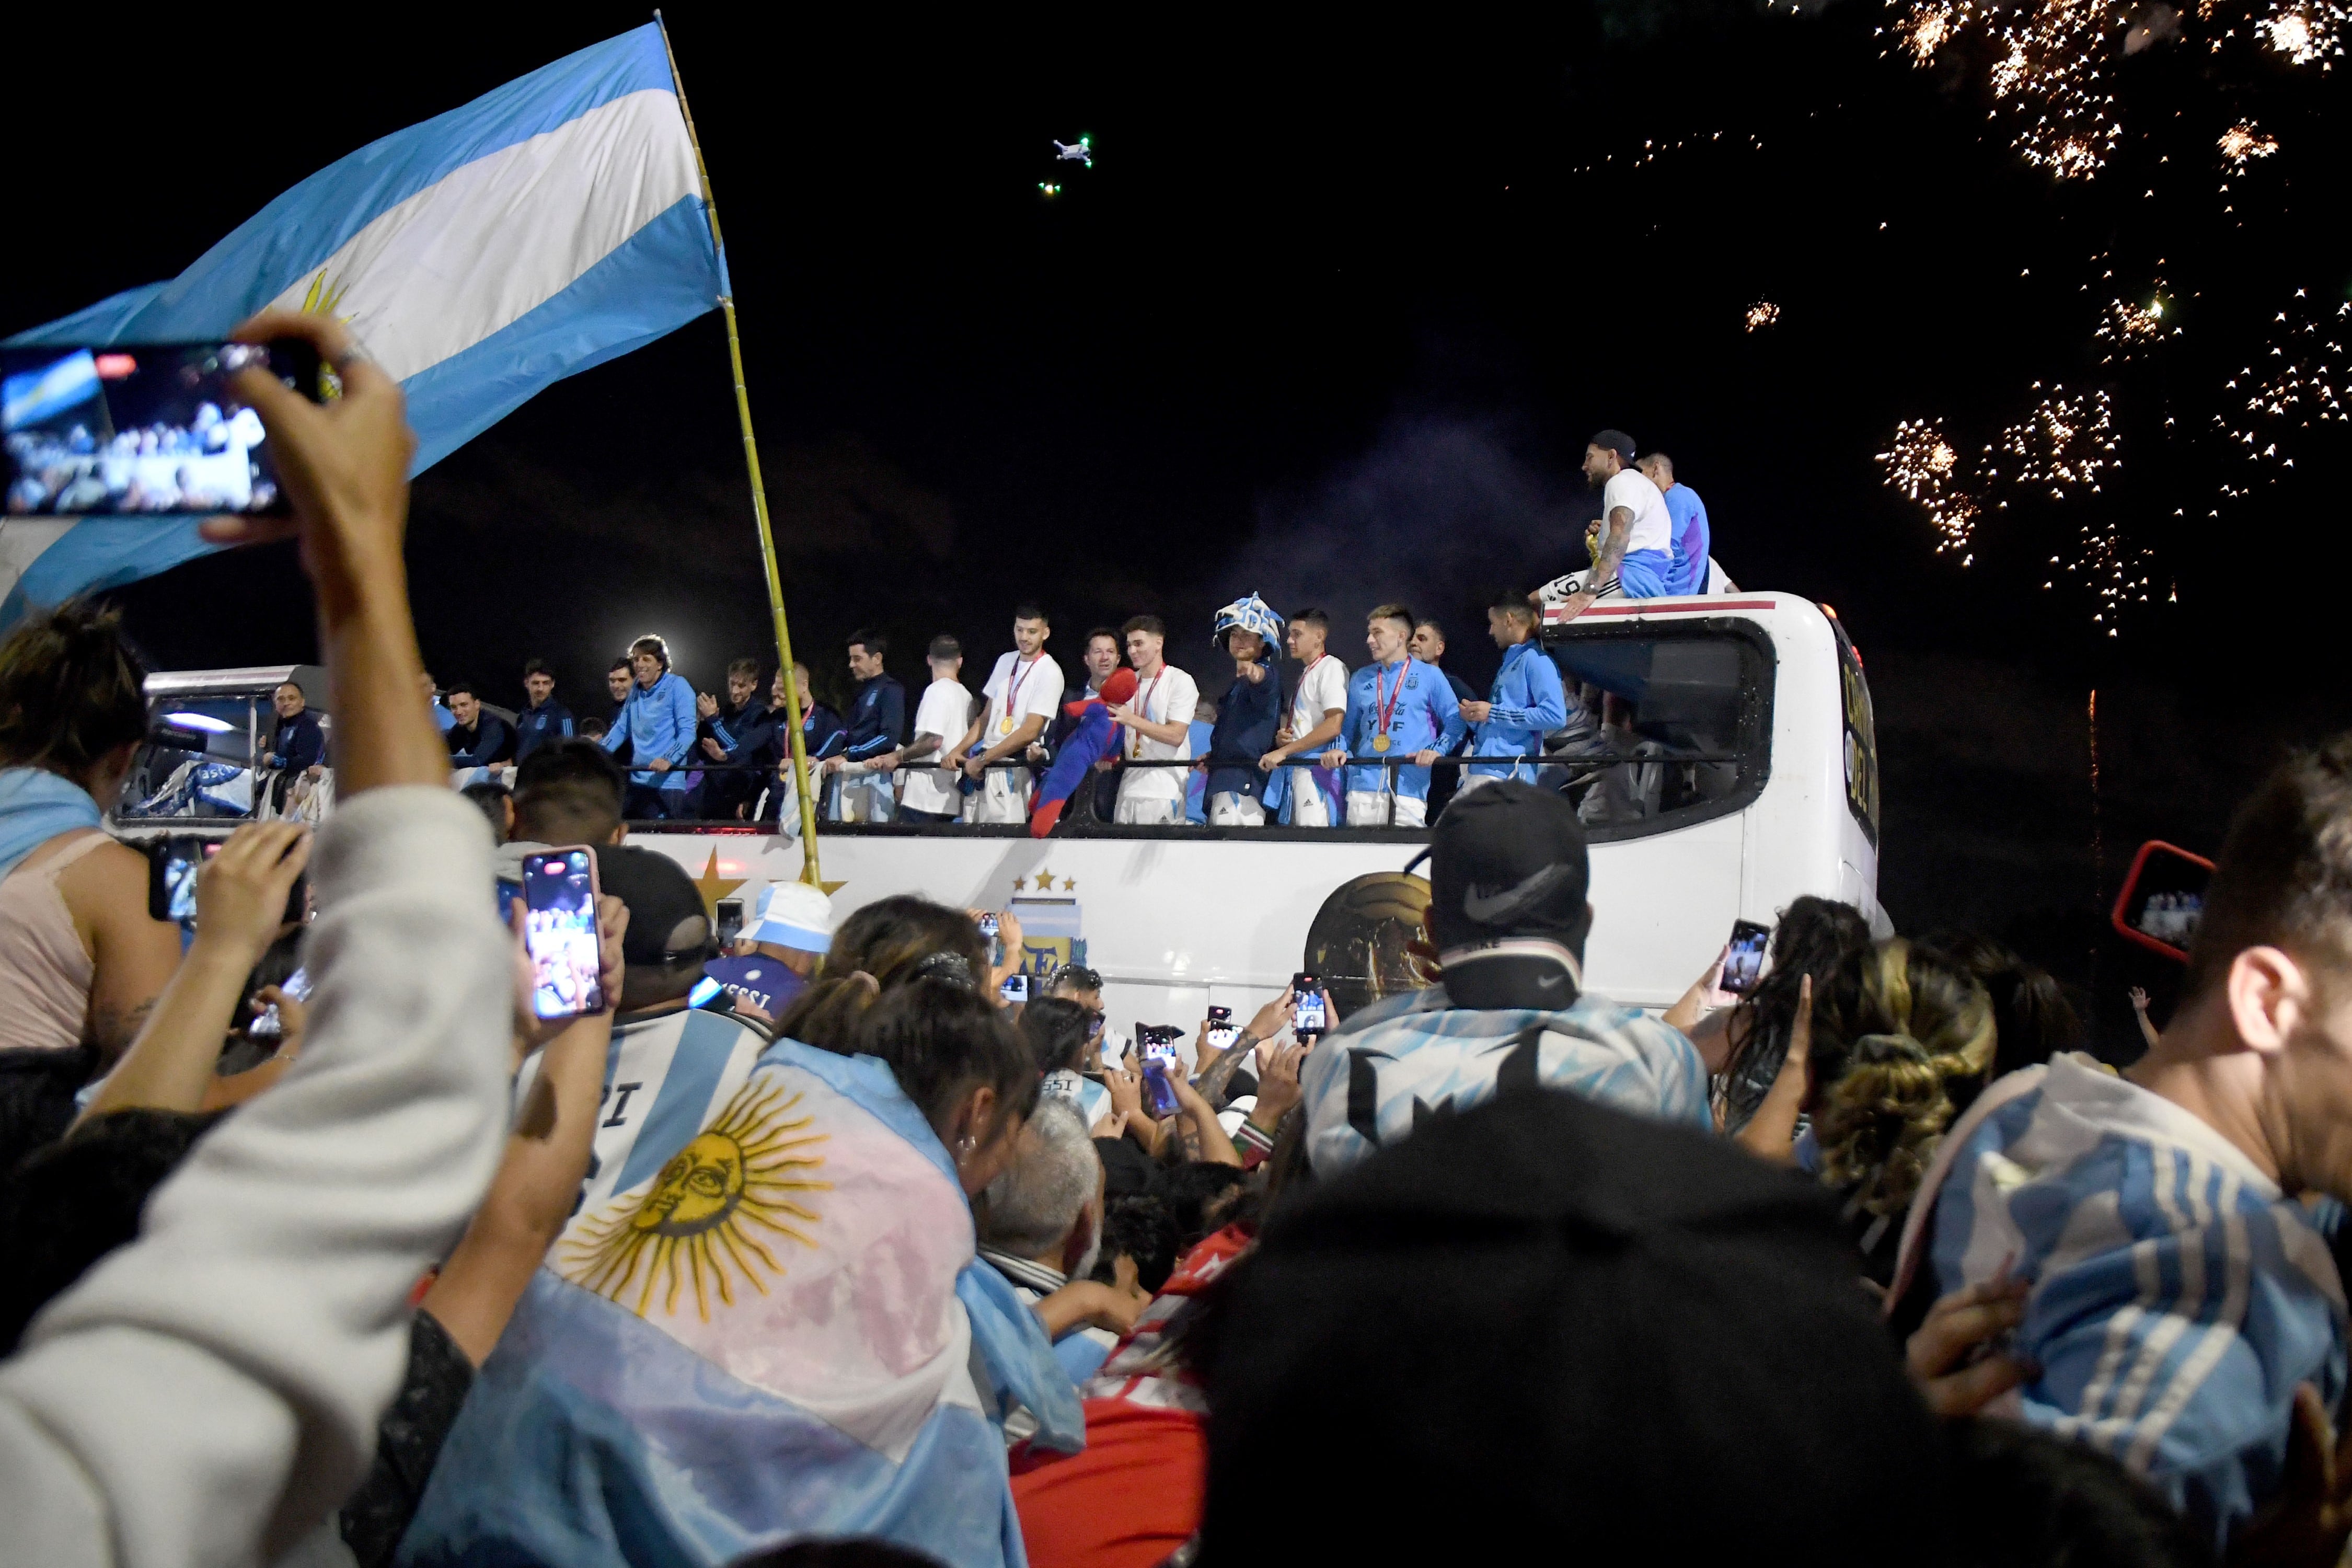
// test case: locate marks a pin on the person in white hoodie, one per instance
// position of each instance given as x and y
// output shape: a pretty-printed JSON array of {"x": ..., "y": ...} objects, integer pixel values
[{"x": 210, "y": 1393}]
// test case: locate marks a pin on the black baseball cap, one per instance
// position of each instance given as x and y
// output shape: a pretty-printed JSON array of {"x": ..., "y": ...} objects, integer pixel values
[
  {"x": 1615, "y": 441},
  {"x": 660, "y": 896},
  {"x": 1509, "y": 859}
]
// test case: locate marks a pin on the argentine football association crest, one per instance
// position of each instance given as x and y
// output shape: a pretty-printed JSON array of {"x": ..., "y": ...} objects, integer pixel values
[{"x": 716, "y": 1216}]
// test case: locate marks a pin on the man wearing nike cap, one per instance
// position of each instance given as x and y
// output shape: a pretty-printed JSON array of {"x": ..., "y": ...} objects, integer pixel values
[{"x": 1508, "y": 916}]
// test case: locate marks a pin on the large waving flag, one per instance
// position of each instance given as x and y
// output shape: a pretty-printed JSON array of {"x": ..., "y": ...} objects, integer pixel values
[
  {"x": 542, "y": 229},
  {"x": 772, "y": 1326}
]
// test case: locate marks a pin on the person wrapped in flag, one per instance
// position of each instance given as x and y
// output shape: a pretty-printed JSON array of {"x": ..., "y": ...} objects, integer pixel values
[
  {"x": 1093, "y": 737},
  {"x": 769, "y": 1321}
]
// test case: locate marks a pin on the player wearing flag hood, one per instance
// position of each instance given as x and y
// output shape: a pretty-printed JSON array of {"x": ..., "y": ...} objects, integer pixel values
[{"x": 1248, "y": 715}]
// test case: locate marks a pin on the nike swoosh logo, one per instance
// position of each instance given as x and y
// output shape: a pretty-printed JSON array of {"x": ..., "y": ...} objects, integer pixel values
[
  {"x": 1552, "y": 981},
  {"x": 1489, "y": 908}
]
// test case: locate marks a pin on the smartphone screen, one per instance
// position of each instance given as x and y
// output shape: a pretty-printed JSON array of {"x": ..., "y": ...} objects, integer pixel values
[
  {"x": 1307, "y": 1016},
  {"x": 171, "y": 881},
  {"x": 2163, "y": 899},
  {"x": 706, "y": 990},
  {"x": 1743, "y": 966},
  {"x": 731, "y": 920},
  {"x": 559, "y": 932},
  {"x": 1015, "y": 988},
  {"x": 1159, "y": 1091},
  {"x": 142, "y": 429}
]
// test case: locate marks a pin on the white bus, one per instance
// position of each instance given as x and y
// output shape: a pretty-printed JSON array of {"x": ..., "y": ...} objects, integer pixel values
[{"x": 1743, "y": 773}]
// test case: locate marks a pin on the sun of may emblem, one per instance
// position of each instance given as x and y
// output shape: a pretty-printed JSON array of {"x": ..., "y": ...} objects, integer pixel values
[{"x": 711, "y": 1214}]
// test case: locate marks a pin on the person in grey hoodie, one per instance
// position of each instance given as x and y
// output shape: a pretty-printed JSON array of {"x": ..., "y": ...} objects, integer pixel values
[{"x": 210, "y": 1393}]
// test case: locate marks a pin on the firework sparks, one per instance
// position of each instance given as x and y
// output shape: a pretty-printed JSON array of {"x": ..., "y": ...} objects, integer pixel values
[
  {"x": 2065, "y": 444},
  {"x": 2242, "y": 141},
  {"x": 2128, "y": 328},
  {"x": 2311, "y": 30},
  {"x": 1925, "y": 468},
  {"x": 2051, "y": 77},
  {"x": 2300, "y": 384},
  {"x": 2111, "y": 567},
  {"x": 1762, "y": 314}
]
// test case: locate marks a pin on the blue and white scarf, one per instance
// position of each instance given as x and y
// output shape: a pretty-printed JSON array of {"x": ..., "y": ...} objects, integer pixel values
[{"x": 35, "y": 805}]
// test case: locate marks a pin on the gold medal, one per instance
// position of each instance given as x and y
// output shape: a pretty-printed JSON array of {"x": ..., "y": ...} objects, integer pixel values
[
  {"x": 1004, "y": 725},
  {"x": 1380, "y": 742}
]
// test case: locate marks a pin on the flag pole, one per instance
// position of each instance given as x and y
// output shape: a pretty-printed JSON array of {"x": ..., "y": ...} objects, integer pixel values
[{"x": 809, "y": 872}]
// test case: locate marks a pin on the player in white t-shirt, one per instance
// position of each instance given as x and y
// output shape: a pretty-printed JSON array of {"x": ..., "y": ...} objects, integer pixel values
[
  {"x": 929, "y": 794},
  {"x": 1637, "y": 548},
  {"x": 1316, "y": 711},
  {"x": 1024, "y": 692},
  {"x": 1159, "y": 725}
]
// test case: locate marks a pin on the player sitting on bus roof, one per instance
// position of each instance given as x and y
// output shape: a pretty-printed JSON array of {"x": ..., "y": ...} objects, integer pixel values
[{"x": 1508, "y": 914}]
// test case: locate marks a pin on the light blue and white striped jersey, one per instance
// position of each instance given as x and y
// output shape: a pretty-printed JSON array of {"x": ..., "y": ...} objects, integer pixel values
[
  {"x": 2177, "y": 1296},
  {"x": 1405, "y": 1059}
]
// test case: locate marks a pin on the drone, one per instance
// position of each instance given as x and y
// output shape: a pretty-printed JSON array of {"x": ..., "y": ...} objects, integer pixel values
[{"x": 1084, "y": 152}]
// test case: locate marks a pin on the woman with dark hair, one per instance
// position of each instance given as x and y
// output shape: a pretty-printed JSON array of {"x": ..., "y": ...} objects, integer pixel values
[
  {"x": 959, "y": 1059},
  {"x": 2031, "y": 1014},
  {"x": 81, "y": 962},
  {"x": 1816, "y": 938}
]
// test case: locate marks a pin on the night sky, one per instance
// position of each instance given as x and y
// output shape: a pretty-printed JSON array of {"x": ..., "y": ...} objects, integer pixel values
[{"x": 1331, "y": 317}]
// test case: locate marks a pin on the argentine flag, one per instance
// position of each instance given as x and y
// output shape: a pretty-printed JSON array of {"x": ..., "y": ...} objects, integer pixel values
[
  {"x": 764, "y": 1322},
  {"x": 543, "y": 229}
]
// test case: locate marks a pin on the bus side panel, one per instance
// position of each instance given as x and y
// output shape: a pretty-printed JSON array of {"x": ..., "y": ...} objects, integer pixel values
[{"x": 1798, "y": 830}]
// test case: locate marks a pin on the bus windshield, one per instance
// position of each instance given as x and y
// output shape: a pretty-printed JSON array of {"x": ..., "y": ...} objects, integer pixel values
[{"x": 1676, "y": 725}]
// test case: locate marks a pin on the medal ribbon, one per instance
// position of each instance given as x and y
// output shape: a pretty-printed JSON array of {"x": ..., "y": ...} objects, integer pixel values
[
  {"x": 1384, "y": 710},
  {"x": 1142, "y": 696},
  {"x": 1013, "y": 695}
]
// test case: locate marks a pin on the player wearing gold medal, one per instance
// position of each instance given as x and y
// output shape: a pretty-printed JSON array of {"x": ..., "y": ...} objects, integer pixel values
[
  {"x": 1023, "y": 694},
  {"x": 1397, "y": 706}
]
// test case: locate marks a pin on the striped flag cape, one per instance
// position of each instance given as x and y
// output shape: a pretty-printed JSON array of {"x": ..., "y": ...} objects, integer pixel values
[
  {"x": 763, "y": 1323},
  {"x": 545, "y": 227}
]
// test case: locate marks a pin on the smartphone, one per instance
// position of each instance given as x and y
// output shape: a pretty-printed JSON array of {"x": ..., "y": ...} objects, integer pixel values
[
  {"x": 172, "y": 866},
  {"x": 731, "y": 921},
  {"x": 2163, "y": 899},
  {"x": 1222, "y": 1030},
  {"x": 1308, "y": 1013},
  {"x": 1015, "y": 989},
  {"x": 1743, "y": 965},
  {"x": 267, "y": 1024},
  {"x": 1160, "y": 1065},
  {"x": 142, "y": 428},
  {"x": 559, "y": 932},
  {"x": 987, "y": 935},
  {"x": 706, "y": 990}
]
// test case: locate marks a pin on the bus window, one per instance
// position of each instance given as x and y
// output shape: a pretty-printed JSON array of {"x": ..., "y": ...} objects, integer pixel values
[
  {"x": 1677, "y": 729},
  {"x": 1861, "y": 738}
]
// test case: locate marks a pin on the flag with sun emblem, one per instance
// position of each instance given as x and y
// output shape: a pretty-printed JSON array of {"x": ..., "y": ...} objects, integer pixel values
[
  {"x": 778, "y": 1330},
  {"x": 547, "y": 226}
]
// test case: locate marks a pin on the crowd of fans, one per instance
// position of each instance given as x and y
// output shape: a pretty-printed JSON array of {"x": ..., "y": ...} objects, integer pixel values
[{"x": 815, "y": 1250}]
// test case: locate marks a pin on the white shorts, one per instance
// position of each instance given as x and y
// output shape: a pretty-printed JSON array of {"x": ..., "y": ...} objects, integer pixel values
[
  {"x": 1369, "y": 808},
  {"x": 1003, "y": 798},
  {"x": 1228, "y": 808},
  {"x": 1308, "y": 809},
  {"x": 1148, "y": 812},
  {"x": 1470, "y": 781}
]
